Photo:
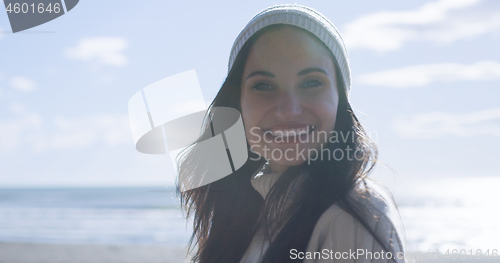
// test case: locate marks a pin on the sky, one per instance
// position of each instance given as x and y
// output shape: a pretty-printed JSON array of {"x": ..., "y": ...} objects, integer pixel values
[{"x": 426, "y": 78}]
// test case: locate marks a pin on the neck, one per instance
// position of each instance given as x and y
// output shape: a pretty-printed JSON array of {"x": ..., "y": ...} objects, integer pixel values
[{"x": 277, "y": 167}]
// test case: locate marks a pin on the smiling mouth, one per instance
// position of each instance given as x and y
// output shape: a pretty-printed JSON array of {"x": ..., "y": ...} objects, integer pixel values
[{"x": 289, "y": 135}]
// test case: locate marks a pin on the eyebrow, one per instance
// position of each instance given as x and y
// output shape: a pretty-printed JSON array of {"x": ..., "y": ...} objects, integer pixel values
[
  {"x": 302, "y": 72},
  {"x": 309, "y": 70},
  {"x": 262, "y": 73}
]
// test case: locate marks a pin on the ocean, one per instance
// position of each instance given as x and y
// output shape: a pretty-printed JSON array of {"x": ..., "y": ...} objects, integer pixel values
[
  {"x": 437, "y": 213},
  {"x": 443, "y": 214},
  {"x": 92, "y": 216}
]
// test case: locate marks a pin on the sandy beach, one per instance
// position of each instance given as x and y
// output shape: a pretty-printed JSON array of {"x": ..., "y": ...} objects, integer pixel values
[{"x": 37, "y": 252}]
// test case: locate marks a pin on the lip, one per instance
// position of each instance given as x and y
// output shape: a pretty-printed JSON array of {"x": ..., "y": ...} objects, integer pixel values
[{"x": 284, "y": 133}]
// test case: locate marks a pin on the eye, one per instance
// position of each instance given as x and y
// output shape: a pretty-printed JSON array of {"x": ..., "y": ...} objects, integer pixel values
[
  {"x": 262, "y": 86},
  {"x": 312, "y": 83}
]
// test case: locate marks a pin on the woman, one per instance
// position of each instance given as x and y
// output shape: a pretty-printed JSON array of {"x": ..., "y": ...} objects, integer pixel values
[{"x": 303, "y": 194}]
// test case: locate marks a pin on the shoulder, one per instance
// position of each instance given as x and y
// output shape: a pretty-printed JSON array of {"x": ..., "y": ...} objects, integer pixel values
[{"x": 338, "y": 230}]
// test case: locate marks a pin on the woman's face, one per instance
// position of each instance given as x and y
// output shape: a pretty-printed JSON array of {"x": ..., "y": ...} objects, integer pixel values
[{"x": 289, "y": 97}]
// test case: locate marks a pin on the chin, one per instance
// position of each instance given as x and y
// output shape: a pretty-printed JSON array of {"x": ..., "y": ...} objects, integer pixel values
[
  {"x": 290, "y": 163},
  {"x": 292, "y": 155}
]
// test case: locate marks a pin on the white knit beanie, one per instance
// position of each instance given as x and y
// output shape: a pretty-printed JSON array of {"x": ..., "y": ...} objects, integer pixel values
[{"x": 305, "y": 18}]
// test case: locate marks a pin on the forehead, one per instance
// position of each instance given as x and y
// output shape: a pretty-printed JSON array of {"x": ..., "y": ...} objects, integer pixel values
[{"x": 288, "y": 45}]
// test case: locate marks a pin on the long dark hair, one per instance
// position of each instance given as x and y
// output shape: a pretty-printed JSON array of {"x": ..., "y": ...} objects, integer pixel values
[{"x": 228, "y": 212}]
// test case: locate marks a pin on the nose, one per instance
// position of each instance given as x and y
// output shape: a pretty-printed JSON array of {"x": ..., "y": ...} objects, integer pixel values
[{"x": 288, "y": 106}]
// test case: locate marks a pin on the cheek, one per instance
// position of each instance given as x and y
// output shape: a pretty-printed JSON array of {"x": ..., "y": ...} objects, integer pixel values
[
  {"x": 247, "y": 109},
  {"x": 326, "y": 112},
  {"x": 251, "y": 114},
  {"x": 254, "y": 108}
]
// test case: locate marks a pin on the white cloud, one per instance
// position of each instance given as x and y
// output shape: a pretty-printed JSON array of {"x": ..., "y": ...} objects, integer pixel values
[
  {"x": 30, "y": 130},
  {"x": 100, "y": 51},
  {"x": 421, "y": 75},
  {"x": 437, "y": 124},
  {"x": 441, "y": 22},
  {"x": 22, "y": 84}
]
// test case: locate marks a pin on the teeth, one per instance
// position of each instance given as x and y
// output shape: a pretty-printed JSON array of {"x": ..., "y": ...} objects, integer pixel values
[{"x": 292, "y": 132}]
